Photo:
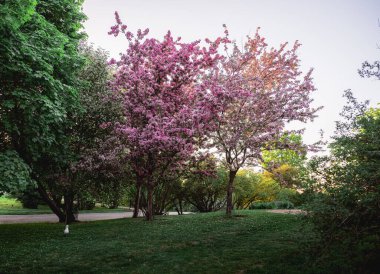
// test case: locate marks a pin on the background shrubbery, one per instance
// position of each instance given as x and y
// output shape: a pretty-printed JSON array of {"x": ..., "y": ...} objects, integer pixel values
[
  {"x": 272, "y": 205},
  {"x": 344, "y": 194}
]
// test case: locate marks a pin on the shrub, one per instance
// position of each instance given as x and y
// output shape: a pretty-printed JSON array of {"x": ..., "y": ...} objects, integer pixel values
[
  {"x": 85, "y": 201},
  {"x": 345, "y": 210},
  {"x": 272, "y": 205},
  {"x": 29, "y": 198},
  {"x": 261, "y": 205},
  {"x": 283, "y": 205},
  {"x": 206, "y": 193}
]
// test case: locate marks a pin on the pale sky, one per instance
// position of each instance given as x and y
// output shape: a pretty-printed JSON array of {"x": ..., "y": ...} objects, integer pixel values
[{"x": 336, "y": 37}]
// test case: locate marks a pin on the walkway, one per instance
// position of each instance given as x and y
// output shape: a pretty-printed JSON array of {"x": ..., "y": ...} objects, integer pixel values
[
  {"x": 85, "y": 217},
  {"x": 52, "y": 218}
]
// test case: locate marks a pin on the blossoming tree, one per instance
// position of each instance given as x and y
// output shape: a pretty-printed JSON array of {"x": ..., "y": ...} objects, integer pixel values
[
  {"x": 255, "y": 93},
  {"x": 162, "y": 101}
]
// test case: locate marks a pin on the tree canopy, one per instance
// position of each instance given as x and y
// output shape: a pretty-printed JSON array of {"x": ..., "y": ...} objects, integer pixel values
[{"x": 39, "y": 83}]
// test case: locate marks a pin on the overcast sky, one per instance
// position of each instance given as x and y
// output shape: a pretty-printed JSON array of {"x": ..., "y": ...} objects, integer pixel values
[{"x": 336, "y": 36}]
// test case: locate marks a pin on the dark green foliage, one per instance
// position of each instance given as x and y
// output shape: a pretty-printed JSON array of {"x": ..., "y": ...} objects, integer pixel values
[
  {"x": 272, "y": 205},
  {"x": 346, "y": 205},
  {"x": 206, "y": 193},
  {"x": 14, "y": 173},
  {"x": 85, "y": 201},
  {"x": 113, "y": 196},
  {"x": 39, "y": 81},
  {"x": 29, "y": 198},
  {"x": 65, "y": 15}
]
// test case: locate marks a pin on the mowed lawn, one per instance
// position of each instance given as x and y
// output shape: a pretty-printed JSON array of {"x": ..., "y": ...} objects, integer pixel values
[
  {"x": 11, "y": 206},
  {"x": 252, "y": 242}
]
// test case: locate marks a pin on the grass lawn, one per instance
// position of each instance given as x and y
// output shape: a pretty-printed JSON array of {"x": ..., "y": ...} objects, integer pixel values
[
  {"x": 10, "y": 206},
  {"x": 255, "y": 242}
]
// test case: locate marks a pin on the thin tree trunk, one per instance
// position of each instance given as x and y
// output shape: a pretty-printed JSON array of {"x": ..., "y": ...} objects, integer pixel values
[
  {"x": 149, "y": 213},
  {"x": 136, "y": 208},
  {"x": 180, "y": 207},
  {"x": 69, "y": 206},
  {"x": 177, "y": 209},
  {"x": 230, "y": 190}
]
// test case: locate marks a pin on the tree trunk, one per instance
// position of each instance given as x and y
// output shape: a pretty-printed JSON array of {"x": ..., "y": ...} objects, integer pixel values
[
  {"x": 149, "y": 212},
  {"x": 180, "y": 207},
  {"x": 230, "y": 190},
  {"x": 136, "y": 208},
  {"x": 69, "y": 206},
  {"x": 52, "y": 205}
]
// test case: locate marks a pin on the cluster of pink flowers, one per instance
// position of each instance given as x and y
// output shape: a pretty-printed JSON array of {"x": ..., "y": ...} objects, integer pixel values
[{"x": 162, "y": 90}]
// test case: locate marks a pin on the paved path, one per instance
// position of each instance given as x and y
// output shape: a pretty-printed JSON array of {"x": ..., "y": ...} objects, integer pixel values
[
  {"x": 287, "y": 211},
  {"x": 52, "y": 218}
]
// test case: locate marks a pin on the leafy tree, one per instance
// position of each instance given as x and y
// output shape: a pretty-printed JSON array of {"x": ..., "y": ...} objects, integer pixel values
[
  {"x": 14, "y": 173},
  {"x": 278, "y": 157},
  {"x": 287, "y": 166},
  {"x": 38, "y": 87},
  {"x": 252, "y": 188},
  {"x": 206, "y": 192},
  {"x": 29, "y": 198},
  {"x": 247, "y": 184},
  {"x": 345, "y": 210},
  {"x": 256, "y": 92}
]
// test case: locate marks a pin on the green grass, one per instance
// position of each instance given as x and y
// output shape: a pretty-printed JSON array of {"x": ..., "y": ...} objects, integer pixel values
[
  {"x": 255, "y": 242},
  {"x": 10, "y": 206}
]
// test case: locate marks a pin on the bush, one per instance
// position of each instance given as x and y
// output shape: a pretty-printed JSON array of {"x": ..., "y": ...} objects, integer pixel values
[
  {"x": 345, "y": 188},
  {"x": 262, "y": 205},
  {"x": 85, "y": 201},
  {"x": 29, "y": 198},
  {"x": 272, "y": 205},
  {"x": 206, "y": 193},
  {"x": 283, "y": 205}
]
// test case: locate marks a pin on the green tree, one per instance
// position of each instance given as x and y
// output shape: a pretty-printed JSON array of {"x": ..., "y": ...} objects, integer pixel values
[
  {"x": 246, "y": 186},
  {"x": 14, "y": 173},
  {"x": 345, "y": 209},
  {"x": 38, "y": 89},
  {"x": 287, "y": 166},
  {"x": 204, "y": 185}
]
